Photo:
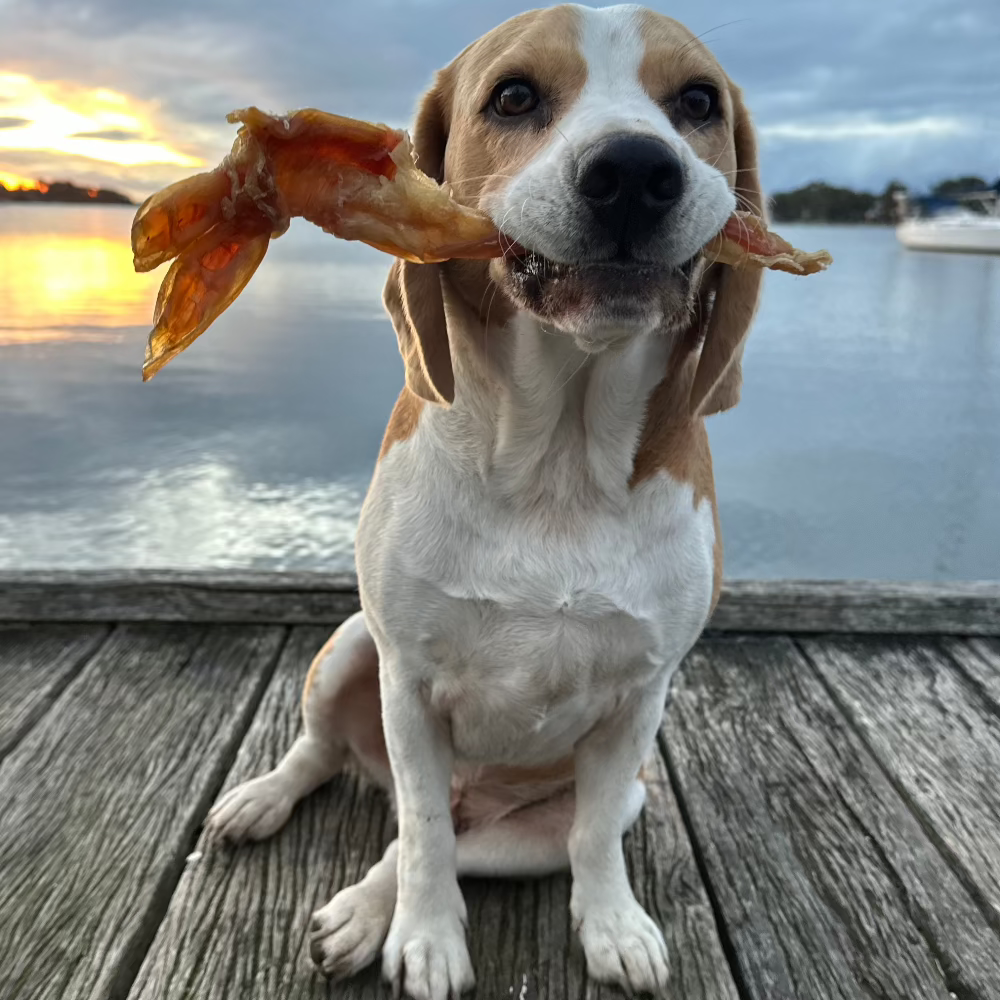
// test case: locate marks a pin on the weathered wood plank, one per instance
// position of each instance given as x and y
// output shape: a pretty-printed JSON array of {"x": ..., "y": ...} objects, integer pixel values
[
  {"x": 863, "y": 606},
  {"x": 36, "y": 664},
  {"x": 664, "y": 872},
  {"x": 322, "y": 599},
  {"x": 178, "y": 596},
  {"x": 102, "y": 798},
  {"x": 936, "y": 736},
  {"x": 979, "y": 661},
  {"x": 238, "y": 923},
  {"x": 827, "y": 885}
]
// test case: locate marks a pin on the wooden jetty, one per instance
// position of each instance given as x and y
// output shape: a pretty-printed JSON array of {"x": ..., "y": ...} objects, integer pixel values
[{"x": 824, "y": 822}]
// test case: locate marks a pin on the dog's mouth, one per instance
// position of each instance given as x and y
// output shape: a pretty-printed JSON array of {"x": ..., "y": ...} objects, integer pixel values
[
  {"x": 529, "y": 265},
  {"x": 597, "y": 298}
]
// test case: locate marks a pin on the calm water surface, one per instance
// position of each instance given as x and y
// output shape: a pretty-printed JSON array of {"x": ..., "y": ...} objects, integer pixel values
[{"x": 867, "y": 443}]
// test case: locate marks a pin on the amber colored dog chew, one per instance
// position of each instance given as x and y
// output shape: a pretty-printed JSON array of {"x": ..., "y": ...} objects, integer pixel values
[
  {"x": 745, "y": 241},
  {"x": 355, "y": 180},
  {"x": 351, "y": 178}
]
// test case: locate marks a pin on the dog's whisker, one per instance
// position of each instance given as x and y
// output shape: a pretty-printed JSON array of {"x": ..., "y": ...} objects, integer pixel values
[
  {"x": 478, "y": 178},
  {"x": 486, "y": 290},
  {"x": 570, "y": 146},
  {"x": 576, "y": 371},
  {"x": 701, "y": 37},
  {"x": 552, "y": 390},
  {"x": 523, "y": 203},
  {"x": 698, "y": 128},
  {"x": 486, "y": 325}
]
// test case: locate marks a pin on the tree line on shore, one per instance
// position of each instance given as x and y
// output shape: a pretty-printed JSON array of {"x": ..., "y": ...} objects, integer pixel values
[
  {"x": 816, "y": 202},
  {"x": 821, "y": 202},
  {"x": 63, "y": 192}
]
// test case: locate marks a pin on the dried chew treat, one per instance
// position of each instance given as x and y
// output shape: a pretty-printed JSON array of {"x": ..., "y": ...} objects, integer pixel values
[
  {"x": 745, "y": 241},
  {"x": 355, "y": 180}
]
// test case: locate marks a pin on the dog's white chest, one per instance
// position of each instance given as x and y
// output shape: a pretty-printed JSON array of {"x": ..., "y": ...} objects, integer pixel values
[
  {"x": 539, "y": 640},
  {"x": 528, "y": 629}
]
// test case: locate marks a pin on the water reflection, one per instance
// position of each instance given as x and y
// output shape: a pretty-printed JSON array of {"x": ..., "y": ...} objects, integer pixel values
[
  {"x": 867, "y": 443},
  {"x": 868, "y": 440},
  {"x": 75, "y": 274},
  {"x": 253, "y": 448},
  {"x": 190, "y": 516}
]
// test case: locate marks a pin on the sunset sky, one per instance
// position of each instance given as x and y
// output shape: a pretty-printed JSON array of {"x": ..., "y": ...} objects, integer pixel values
[{"x": 132, "y": 95}]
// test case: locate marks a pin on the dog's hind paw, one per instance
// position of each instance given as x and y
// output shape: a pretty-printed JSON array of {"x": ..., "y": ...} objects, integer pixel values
[
  {"x": 252, "y": 811},
  {"x": 346, "y": 935}
]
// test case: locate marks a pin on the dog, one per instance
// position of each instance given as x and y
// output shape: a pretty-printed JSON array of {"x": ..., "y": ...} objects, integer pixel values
[{"x": 540, "y": 544}]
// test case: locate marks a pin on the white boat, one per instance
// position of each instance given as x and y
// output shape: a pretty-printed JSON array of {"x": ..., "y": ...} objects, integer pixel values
[{"x": 957, "y": 230}]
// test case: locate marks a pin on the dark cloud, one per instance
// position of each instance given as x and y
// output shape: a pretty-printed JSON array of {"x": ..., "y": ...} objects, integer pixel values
[
  {"x": 112, "y": 134},
  {"x": 830, "y": 75},
  {"x": 14, "y": 122}
]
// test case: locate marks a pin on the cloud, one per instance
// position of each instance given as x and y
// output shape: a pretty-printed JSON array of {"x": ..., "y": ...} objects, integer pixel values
[
  {"x": 67, "y": 120},
  {"x": 858, "y": 90},
  {"x": 853, "y": 130},
  {"x": 13, "y": 122},
  {"x": 110, "y": 134}
]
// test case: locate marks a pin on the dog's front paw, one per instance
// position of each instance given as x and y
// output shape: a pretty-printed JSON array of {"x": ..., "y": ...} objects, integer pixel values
[
  {"x": 426, "y": 954},
  {"x": 252, "y": 811},
  {"x": 345, "y": 936},
  {"x": 624, "y": 947}
]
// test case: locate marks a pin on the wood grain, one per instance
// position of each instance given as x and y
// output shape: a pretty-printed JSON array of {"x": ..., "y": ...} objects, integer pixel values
[
  {"x": 828, "y": 887},
  {"x": 863, "y": 606},
  {"x": 936, "y": 736},
  {"x": 799, "y": 607},
  {"x": 36, "y": 664},
  {"x": 979, "y": 661},
  {"x": 102, "y": 798},
  {"x": 667, "y": 882},
  {"x": 176, "y": 596},
  {"x": 238, "y": 924}
]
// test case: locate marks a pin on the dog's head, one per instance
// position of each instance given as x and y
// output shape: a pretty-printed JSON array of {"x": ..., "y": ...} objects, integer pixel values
[{"x": 611, "y": 145}]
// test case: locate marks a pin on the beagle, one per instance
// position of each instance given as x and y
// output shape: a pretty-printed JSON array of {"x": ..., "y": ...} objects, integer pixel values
[{"x": 540, "y": 544}]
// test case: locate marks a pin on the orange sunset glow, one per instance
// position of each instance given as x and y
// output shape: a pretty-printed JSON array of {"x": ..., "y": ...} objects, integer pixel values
[
  {"x": 14, "y": 181},
  {"x": 76, "y": 283},
  {"x": 100, "y": 124},
  {"x": 72, "y": 278}
]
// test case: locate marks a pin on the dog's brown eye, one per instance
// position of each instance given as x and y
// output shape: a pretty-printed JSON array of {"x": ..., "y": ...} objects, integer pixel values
[
  {"x": 514, "y": 97},
  {"x": 699, "y": 103}
]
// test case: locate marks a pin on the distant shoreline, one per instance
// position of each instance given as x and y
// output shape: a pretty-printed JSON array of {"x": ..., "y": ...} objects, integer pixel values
[
  {"x": 12, "y": 202},
  {"x": 62, "y": 193}
]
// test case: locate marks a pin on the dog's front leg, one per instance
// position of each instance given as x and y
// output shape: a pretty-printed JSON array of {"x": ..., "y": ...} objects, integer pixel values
[
  {"x": 425, "y": 951},
  {"x": 621, "y": 942}
]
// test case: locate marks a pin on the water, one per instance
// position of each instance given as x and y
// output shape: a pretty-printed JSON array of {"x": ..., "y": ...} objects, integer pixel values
[{"x": 867, "y": 444}]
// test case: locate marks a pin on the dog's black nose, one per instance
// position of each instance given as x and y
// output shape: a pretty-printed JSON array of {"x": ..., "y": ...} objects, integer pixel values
[{"x": 630, "y": 183}]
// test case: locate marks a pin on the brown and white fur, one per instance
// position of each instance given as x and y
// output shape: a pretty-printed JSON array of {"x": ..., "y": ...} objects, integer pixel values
[{"x": 540, "y": 546}]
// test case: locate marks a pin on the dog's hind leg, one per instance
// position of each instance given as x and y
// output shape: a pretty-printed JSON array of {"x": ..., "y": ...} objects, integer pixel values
[
  {"x": 341, "y": 714},
  {"x": 348, "y": 933}
]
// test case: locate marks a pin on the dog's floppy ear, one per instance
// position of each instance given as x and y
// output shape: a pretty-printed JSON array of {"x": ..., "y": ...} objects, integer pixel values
[
  {"x": 719, "y": 375},
  {"x": 414, "y": 302},
  {"x": 412, "y": 294}
]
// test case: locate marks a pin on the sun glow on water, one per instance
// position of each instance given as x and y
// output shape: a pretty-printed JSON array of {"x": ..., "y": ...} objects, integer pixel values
[{"x": 77, "y": 276}]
